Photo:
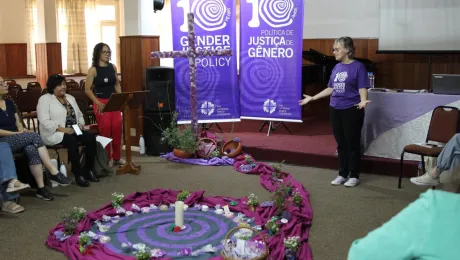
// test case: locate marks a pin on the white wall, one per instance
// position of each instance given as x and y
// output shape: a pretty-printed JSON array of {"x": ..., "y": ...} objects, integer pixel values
[
  {"x": 13, "y": 27},
  {"x": 335, "y": 18}
]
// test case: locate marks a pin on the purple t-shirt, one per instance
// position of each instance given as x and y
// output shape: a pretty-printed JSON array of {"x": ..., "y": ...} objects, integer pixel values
[{"x": 346, "y": 80}]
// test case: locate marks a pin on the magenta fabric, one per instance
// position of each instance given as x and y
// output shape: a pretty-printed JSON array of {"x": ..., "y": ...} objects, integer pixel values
[{"x": 299, "y": 224}]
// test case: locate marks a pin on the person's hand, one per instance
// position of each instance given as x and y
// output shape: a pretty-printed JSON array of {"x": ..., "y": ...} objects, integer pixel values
[
  {"x": 100, "y": 107},
  {"x": 363, "y": 104},
  {"x": 306, "y": 100},
  {"x": 68, "y": 131},
  {"x": 25, "y": 130},
  {"x": 82, "y": 127}
]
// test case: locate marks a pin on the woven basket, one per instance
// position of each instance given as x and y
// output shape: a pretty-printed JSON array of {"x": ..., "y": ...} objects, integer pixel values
[{"x": 262, "y": 257}]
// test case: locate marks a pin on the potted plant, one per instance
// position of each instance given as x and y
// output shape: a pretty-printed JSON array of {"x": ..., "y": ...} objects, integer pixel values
[
  {"x": 183, "y": 195},
  {"x": 252, "y": 202},
  {"x": 85, "y": 243},
  {"x": 272, "y": 226},
  {"x": 182, "y": 140},
  {"x": 291, "y": 244},
  {"x": 277, "y": 173},
  {"x": 117, "y": 199},
  {"x": 297, "y": 198}
]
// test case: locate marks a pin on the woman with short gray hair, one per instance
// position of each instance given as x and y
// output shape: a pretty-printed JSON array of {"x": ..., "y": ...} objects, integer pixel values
[{"x": 348, "y": 90}]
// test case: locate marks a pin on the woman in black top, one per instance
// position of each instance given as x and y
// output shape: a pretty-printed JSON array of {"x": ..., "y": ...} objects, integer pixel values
[
  {"x": 101, "y": 82},
  {"x": 30, "y": 143}
]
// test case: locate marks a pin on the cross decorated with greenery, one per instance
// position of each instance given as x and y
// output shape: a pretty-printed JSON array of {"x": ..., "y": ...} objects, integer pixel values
[{"x": 192, "y": 53}]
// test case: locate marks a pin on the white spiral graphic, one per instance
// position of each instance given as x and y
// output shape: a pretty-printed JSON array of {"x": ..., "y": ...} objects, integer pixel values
[
  {"x": 276, "y": 13},
  {"x": 209, "y": 14}
]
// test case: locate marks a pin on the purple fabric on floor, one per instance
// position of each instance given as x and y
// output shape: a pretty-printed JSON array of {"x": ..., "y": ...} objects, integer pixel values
[
  {"x": 224, "y": 161},
  {"x": 389, "y": 110},
  {"x": 299, "y": 224}
]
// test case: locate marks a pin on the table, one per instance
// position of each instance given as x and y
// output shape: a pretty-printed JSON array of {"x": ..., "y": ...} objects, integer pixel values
[{"x": 396, "y": 119}]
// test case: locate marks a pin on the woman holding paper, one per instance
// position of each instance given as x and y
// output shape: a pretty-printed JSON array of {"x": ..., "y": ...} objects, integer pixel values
[
  {"x": 101, "y": 82},
  {"x": 62, "y": 122},
  {"x": 348, "y": 90}
]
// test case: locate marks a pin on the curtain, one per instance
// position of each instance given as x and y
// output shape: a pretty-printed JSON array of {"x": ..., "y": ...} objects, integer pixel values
[
  {"x": 31, "y": 22},
  {"x": 72, "y": 13}
]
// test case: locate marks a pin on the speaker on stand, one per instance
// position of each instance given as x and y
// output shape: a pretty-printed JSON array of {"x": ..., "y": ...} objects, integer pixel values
[{"x": 158, "y": 109}]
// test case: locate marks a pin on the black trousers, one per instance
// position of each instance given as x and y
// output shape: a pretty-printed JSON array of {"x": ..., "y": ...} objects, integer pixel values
[
  {"x": 347, "y": 125},
  {"x": 71, "y": 143}
]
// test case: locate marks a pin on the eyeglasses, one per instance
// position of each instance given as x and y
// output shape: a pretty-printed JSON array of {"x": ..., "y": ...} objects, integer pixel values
[{"x": 106, "y": 52}]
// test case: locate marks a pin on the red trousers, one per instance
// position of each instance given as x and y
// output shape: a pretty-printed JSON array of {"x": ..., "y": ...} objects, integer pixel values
[{"x": 110, "y": 125}]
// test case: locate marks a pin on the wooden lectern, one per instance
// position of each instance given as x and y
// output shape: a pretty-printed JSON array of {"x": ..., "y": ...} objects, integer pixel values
[{"x": 124, "y": 102}]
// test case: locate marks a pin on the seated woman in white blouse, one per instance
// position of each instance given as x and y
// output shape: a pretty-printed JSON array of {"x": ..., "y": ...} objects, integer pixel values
[{"x": 57, "y": 113}]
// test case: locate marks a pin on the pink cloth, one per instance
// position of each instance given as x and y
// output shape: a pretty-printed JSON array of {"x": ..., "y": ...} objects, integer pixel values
[{"x": 298, "y": 225}]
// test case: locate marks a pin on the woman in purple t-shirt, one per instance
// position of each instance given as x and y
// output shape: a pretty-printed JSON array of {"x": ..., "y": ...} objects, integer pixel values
[{"x": 348, "y": 90}]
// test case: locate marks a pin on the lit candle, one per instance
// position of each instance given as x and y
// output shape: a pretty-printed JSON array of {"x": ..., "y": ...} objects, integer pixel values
[{"x": 179, "y": 216}]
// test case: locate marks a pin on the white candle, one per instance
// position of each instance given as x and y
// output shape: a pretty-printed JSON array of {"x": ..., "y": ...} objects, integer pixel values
[{"x": 179, "y": 216}]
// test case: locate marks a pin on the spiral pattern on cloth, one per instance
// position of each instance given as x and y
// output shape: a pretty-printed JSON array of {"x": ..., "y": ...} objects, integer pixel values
[
  {"x": 210, "y": 14},
  {"x": 276, "y": 13}
]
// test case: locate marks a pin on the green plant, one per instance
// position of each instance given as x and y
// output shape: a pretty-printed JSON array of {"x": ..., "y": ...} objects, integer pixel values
[
  {"x": 84, "y": 241},
  {"x": 183, "y": 139},
  {"x": 183, "y": 195},
  {"x": 172, "y": 132},
  {"x": 71, "y": 220},
  {"x": 297, "y": 198},
  {"x": 252, "y": 200},
  {"x": 142, "y": 255},
  {"x": 292, "y": 243},
  {"x": 187, "y": 140},
  {"x": 272, "y": 226},
  {"x": 277, "y": 169},
  {"x": 117, "y": 199}
]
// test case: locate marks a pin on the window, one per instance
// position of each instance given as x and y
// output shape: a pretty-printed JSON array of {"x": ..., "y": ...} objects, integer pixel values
[{"x": 102, "y": 24}]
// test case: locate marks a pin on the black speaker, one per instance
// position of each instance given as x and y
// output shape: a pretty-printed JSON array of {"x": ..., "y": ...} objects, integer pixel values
[
  {"x": 160, "y": 83},
  {"x": 154, "y": 124}
]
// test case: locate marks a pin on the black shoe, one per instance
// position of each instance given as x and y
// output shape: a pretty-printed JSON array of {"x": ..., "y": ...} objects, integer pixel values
[
  {"x": 44, "y": 194},
  {"x": 91, "y": 177},
  {"x": 81, "y": 181},
  {"x": 59, "y": 179}
]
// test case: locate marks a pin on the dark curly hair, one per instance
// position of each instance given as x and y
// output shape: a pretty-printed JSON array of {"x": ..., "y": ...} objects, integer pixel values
[
  {"x": 97, "y": 51},
  {"x": 53, "y": 81}
]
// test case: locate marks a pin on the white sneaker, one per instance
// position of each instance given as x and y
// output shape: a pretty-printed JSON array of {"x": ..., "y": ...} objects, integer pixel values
[
  {"x": 111, "y": 163},
  {"x": 119, "y": 162},
  {"x": 425, "y": 180},
  {"x": 352, "y": 182},
  {"x": 339, "y": 180}
]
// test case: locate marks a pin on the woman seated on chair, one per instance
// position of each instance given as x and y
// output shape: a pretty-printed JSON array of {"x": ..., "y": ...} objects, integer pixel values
[
  {"x": 58, "y": 113},
  {"x": 22, "y": 140}
]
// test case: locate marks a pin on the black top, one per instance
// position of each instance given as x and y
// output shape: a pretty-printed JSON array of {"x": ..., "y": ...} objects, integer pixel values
[
  {"x": 71, "y": 118},
  {"x": 104, "y": 82},
  {"x": 7, "y": 118}
]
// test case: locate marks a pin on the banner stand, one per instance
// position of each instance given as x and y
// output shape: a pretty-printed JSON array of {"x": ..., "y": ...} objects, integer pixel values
[{"x": 273, "y": 128}]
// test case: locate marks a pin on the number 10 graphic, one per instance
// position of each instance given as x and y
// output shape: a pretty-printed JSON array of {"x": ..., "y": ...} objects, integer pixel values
[
  {"x": 276, "y": 13},
  {"x": 210, "y": 15}
]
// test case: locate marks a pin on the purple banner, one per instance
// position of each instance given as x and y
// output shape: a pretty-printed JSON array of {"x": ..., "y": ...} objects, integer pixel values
[
  {"x": 271, "y": 59},
  {"x": 217, "y": 79}
]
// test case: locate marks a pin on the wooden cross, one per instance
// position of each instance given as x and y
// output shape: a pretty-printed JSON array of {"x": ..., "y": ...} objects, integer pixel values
[{"x": 192, "y": 53}]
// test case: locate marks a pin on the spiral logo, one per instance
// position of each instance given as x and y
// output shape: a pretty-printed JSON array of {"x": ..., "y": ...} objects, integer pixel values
[
  {"x": 261, "y": 77},
  {"x": 210, "y": 14},
  {"x": 206, "y": 81},
  {"x": 276, "y": 13},
  {"x": 341, "y": 76}
]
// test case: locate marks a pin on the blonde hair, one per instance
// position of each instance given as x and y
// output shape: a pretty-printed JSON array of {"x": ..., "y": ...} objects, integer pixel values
[{"x": 348, "y": 44}]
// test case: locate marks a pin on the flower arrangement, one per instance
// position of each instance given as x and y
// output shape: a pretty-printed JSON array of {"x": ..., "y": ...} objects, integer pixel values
[
  {"x": 272, "y": 226},
  {"x": 297, "y": 198},
  {"x": 277, "y": 173},
  {"x": 183, "y": 195},
  {"x": 117, "y": 199},
  {"x": 143, "y": 253},
  {"x": 292, "y": 243},
  {"x": 244, "y": 234},
  {"x": 71, "y": 220},
  {"x": 252, "y": 202},
  {"x": 85, "y": 243}
]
